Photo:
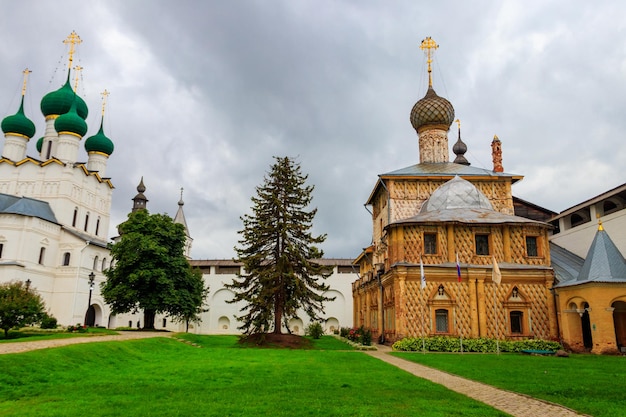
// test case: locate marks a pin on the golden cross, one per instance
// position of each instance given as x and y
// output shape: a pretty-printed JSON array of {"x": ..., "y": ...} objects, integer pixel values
[
  {"x": 427, "y": 45},
  {"x": 73, "y": 39},
  {"x": 77, "y": 68},
  {"x": 458, "y": 123},
  {"x": 26, "y": 72},
  {"x": 104, "y": 95}
]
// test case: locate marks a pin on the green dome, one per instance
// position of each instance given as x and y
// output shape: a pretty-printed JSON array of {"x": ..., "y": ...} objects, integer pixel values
[
  {"x": 39, "y": 144},
  {"x": 71, "y": 122},
  {"x": 19, "y": 123},
  {"x": 432, "y": 110},
  {"x": 59, "y": 102},
  {"x": 99, "y": 143}
]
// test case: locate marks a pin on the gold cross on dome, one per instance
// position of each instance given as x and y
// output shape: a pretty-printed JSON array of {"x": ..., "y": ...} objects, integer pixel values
[
  {"x": 78, "y": 69},
  {"x": 73, "y": 39},
  {"x": 26, "y": 72},
  {"x": 104, "y": 95},
  {"x": 426, "y": 45}
]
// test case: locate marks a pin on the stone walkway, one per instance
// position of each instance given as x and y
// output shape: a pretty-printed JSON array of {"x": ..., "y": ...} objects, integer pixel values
[
  {"x": 17, "y": 347},
  {"x": 517, "y": 405}
]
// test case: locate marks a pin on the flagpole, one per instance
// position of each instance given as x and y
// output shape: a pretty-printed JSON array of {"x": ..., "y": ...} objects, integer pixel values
[
  {"x": 422, "y": 287},
  {"x": 458, "y": 273}
]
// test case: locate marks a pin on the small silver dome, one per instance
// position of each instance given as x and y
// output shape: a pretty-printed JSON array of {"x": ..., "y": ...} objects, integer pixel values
[{"x": 456, "y": 194}]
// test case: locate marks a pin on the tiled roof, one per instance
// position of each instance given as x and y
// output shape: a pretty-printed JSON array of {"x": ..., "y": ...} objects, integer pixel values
[
  {"x": 446, "y": 169},
  {"x": 26, "y": 206}
]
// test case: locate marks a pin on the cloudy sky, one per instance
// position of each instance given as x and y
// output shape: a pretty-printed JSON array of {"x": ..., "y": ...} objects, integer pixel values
[{"x": 204, "y": 93}]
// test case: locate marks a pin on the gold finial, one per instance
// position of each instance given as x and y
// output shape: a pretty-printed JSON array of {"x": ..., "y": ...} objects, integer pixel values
[
  {"x": 77, "y": 68},
  {"x": 73, "y": 39},
  {"x": 458, "y": 123},
  {"x": 427, "y": 45},
  {"x": 600, "y": 227},
  {"x": 26, "y": 72},
  {"x": 495, "y": 137},
  {"x": 104, "y": 95}
]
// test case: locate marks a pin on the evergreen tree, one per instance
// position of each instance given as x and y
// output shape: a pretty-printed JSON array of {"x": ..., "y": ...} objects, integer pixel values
[
  {"x": 150, "y": 271},
  {"x": 278, "y": 254}
]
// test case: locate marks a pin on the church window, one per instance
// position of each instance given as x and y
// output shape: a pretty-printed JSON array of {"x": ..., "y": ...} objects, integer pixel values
[
  {"x": 95, "y": 263},
  {"x": 86, "y": 221},
  {"x": 49, "y": 150},
  {"x": 97, "y": 225},
  {"x": 75, "y": 217},
  {"x": 516, "y": 322},
  {"x": 531, "y": 246},
  {"x": 104, "y": 264},
  {"x": 441, "y": 320},
  {"x": 42, "y": 255},
  {"x": 66, "y": 259},
  {"x": 482, "y": 244},
  {"x": 1, "y": 247},
  {"x": 430, "y": 243}
]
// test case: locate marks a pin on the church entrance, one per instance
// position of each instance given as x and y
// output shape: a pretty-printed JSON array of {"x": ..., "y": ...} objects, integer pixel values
[
  {"x": 619, "y": 321},
  {"x": 90, "y": 316},
  {"x": 586, "y": 323}
]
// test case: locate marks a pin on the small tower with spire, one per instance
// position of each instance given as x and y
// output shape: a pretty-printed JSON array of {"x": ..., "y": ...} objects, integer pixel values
[
  {"x": 99, "y": 147},
  {"x": 140, "y": 201},
  {"x": 496, "y": 154},
  {"x": 180, "y": 219},
  {"x": 432, "y": 116},
  {"x": 460, "y": 148}
]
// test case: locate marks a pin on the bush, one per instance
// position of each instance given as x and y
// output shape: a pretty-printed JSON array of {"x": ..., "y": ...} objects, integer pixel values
[
  {"x": 315, "y": 330},
  {"x": 344, "y": 331},
  {"x": 78, "y": 328},
  {"x": 48, "y": 322},
  {"x": 360, "y": 335},
  {"x": 483, "y": 345}
]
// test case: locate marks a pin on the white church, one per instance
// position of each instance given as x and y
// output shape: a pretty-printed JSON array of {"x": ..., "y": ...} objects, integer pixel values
[{"x": 54, "y": 222}]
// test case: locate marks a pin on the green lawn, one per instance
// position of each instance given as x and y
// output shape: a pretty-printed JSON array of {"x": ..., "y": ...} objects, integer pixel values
[
  {"x": 31, "y": 335},
  {"x": 164, "y": 377},
  {"x": 586, "y": 383}
]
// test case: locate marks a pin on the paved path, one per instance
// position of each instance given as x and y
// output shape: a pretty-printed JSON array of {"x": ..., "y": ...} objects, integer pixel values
[
  {"x": 517, "y": 405},
  {"x": 17, "y": 347}
]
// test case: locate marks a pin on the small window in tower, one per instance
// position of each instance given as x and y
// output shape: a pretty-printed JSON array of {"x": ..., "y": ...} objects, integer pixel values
[
  {"x": 441, "y": 320},
  {"x": 1, "y": 248},
  {"x": 516, "y": 321},
  {"x": 95, "y": 263},
  {"x": 66, "y": 259},
  {"x": 86, "y": 221},
  {"x": 430, "y": 243},
  {"x": 75, "y": 217},
  {"x": 49, "y": 150},
  {"x": 531, "y": 246},
  {"x": 97, "y": 225},
  {"x": 482, "y": 244},
  {"x": 42, "y": 255}
]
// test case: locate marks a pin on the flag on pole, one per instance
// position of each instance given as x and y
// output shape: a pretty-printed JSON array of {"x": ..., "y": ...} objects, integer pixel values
[
  {"x": 496, "y": 276},
  {"x": 423, "y": 283},
  {"x": 458, "y": 268}
]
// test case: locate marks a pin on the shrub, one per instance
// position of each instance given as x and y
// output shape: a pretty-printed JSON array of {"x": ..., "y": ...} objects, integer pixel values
[
  {"x": 79, "y": 328},
  {"x": 315, "y": 330},
  {"x": 48, "y": 322},
  {"x": 344, "y": 331},
  {"x": 360, "y": 335},
  {"x": 483, "y": 345}
]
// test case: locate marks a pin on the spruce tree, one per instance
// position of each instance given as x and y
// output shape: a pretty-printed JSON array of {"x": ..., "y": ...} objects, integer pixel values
[{"x": 278, "y": 254}]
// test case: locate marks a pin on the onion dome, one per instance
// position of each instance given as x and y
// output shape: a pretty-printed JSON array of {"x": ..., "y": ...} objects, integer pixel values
[
  {"x": 19, "y": 123},
  {"x": 59, "y": 102},
  {"x": 456, "y": 194},
  {"x": 99, "y": 143},
  {"x": 39, "y": 144},
  {"x": 459, "y": 150},
  {"x": 432, "y": 110},
  {"x": 71, "y": 122}
]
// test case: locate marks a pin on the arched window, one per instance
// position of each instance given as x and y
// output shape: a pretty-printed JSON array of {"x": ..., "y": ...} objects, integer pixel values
[
  {"x": 97, "y": 225},
  {"x": 95, "y": 263},
  {"x": 104, "y": 264},
  {"x": 86, "y": 221},
  {"x": 441, "y": 320},
  {"x": 75, "y": 217},
  {"x": 42, "y": 255},
  {"x": 66, "y": 259}
]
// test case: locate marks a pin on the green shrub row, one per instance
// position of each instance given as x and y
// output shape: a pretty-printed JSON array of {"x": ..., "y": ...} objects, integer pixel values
[{"x": 484, "y": 345}]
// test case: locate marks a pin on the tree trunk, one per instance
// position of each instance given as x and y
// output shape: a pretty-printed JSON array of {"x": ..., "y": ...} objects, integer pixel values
[{"x": 148, "y": 319}]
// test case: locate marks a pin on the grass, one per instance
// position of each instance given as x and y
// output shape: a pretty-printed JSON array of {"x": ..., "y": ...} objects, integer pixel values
[
  {"x": 33, "y": 334},
  {"x": 164, "y": 377},
  {"x": 587, "y": 383}
]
